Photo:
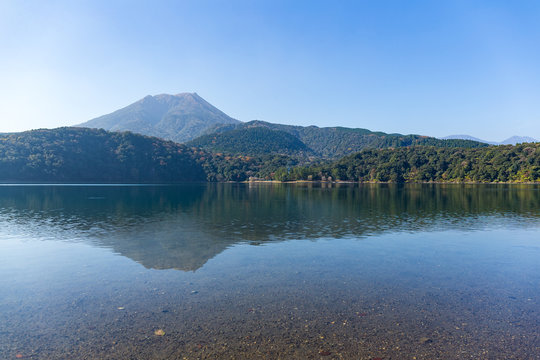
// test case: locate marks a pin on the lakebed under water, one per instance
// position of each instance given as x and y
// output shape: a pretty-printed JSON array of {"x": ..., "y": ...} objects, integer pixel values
[{"x": 290, "y": 271}]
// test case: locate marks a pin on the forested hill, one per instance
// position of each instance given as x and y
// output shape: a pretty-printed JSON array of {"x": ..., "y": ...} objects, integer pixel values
[
  {"x": 505, "y": 163},
  {"x": 90, "y": 155},
  {"x": 253, "y": 141},
  {"x": 187, "y": 117},
  {"x": 327, "y": 142},
  {"x": 82, "y": 155}
]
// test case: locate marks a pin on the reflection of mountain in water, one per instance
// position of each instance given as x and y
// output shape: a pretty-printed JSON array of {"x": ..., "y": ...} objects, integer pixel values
[
  {"x": 167, "y": 244},
  {"x": 182, "y": 227}
]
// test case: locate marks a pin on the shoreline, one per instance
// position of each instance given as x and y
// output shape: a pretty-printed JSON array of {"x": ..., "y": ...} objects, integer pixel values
[
  {"x": 389, "y": 182},
  {"x": 336, "y": 182}
]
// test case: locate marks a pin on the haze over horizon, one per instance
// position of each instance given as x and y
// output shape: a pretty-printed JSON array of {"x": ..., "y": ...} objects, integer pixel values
[{"x": 430, "y": 68}]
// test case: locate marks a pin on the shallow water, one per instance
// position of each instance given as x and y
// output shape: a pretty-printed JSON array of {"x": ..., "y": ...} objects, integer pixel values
[{"x": 270, "y": 271}]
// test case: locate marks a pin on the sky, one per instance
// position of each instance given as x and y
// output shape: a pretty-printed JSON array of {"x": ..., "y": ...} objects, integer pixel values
[{"x": 435, "y": 68}]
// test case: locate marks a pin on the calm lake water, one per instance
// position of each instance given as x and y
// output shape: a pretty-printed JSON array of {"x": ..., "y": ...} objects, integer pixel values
[{"x": 232, "y": 271}]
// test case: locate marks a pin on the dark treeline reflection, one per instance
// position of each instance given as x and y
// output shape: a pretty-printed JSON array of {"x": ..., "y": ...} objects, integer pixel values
[{"x": 183, "y": 226}]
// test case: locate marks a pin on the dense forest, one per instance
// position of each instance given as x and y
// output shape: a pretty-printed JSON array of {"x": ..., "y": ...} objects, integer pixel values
[
  {"x": 327, "y": 143},
  {"x": 88, "y": 155},
  {"x": 221, "y": 167},
  {"x": 253, "y": 141},
  {"x": 519, "y": 163}
]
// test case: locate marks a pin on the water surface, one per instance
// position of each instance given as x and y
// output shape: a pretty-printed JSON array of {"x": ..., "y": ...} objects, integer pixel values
[{"x": 270, "y": 271}]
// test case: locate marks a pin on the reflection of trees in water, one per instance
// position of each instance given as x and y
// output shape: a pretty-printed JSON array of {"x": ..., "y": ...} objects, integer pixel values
[
  {"x": 262, "y": 212},
  {"x": 184, "y": 226}
]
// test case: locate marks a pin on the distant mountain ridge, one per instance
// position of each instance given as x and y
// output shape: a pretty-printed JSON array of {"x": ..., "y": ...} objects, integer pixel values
[
  {"x": 180, "y": 117},
  {"x": 513, "y": 140},
  {"x": 188, "y": 118},
  {"x": 467, "y": 137},
  {"x": 325, "y": 142},
  {"x": 82, "y": 155}
]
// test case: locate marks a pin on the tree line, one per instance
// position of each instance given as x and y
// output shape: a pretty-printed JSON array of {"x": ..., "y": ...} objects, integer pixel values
[
  {"x": 90, "y": 155},
  {"x": 508, "y": 163}
]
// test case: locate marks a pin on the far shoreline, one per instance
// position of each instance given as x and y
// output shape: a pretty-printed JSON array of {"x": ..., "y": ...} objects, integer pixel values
[
  {"x": 388, "y": 182},
  {"x": 333, "y": 182}
]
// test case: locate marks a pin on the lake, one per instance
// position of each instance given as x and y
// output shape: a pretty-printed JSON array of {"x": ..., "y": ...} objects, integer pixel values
[{"x": 289, "y": 271}]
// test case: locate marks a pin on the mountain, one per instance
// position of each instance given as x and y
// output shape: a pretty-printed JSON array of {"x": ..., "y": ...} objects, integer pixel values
[
  {"x": 83, "y": 155},
  {"x": 467, "y": 137},
  {"x": 510, "y": 141},
  {"x": 189, "y": 118},
  {"x": 252, "y": 141},
  {"x": 91, "y": 155},
  {"x": 326, "y": 142},
  {"x": 518, "y": 140},
  {"x": 180, "y": 117}
]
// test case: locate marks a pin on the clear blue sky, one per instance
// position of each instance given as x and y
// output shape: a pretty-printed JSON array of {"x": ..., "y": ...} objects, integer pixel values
[{"x": 427, "y": 67}]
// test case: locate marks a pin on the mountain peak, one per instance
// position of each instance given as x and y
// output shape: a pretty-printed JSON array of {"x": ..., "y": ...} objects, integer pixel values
[
  {"x": 467, "y": 137},
  {"x": 516, "y": 139},
  {"x": 192, "y": 95},
  {"x": 179, "y": 117},
  {"x": 513, "y": 140}
]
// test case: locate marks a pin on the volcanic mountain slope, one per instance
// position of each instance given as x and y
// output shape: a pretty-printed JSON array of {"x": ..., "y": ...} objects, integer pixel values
[
  {"x": 180, "y": 117},
  {"x": 189, "y": 118}
]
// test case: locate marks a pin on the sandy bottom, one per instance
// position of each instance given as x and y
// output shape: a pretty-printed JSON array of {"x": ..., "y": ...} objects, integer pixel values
[
  {"x": 287, "y": 322},
  {"x": 295, "y": 300}
]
